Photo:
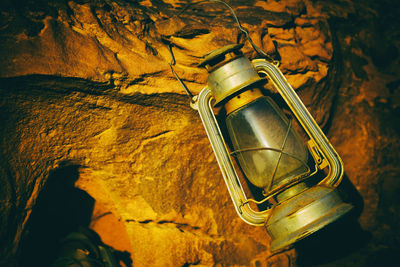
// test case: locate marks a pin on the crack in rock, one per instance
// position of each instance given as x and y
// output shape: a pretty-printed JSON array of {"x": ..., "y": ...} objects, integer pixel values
[{"x": 182, "y": 227}]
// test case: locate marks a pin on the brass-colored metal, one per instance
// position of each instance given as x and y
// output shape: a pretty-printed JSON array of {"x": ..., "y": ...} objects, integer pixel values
[
  {"x": 299, "y": 211},
  {"x": 304, "y": 214},
  {"x": 316, "y": 154},
  {"x": 232, "y": 181},
  {"x": 231, "y": 78},
  {"x": 226, "y": 59},
  {"x": 218, "y": 55},
  {"x": 242, "y": 99},
  {"x": 230, "y": 72},
  {"x": 291, "y": 191},
  {"x": 335, "y": 174}
]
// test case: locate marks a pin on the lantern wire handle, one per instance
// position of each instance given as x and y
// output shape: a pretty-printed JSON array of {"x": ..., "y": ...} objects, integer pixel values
[
  {"x": 259, "y": 51},
  {"x": 171, "y": 64}
]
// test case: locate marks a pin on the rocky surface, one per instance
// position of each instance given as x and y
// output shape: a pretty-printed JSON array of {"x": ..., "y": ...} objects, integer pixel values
[{"x": 90, "y": 113}]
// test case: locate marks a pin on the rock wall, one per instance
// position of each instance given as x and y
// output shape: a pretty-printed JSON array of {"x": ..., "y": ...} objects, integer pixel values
[{"x": 87, "y": 84}]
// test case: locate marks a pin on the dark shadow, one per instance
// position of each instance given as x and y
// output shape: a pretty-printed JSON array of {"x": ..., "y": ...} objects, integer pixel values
[
  {"x": 338, "y": 239},
  {"x": 61, "y": 209},
  {"x": 384, "y": 257},
  {"x": 331, "y": 243},
  {"x": 350, "y": 194}
]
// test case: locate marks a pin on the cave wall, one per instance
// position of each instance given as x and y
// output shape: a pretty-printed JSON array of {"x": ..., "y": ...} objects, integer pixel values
[{"x": 88, "y": 82}]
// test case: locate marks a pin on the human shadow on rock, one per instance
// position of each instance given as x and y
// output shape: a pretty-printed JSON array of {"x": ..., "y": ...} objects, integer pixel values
[{"x": 61, "y": 209}]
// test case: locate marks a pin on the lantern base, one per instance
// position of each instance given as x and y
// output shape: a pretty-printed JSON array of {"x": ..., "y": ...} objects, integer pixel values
[{"x": 304, "y": 214}]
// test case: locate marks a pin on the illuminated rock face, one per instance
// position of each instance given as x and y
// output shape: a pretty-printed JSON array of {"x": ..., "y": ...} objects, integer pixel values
[{"x": 89, "y": 83}]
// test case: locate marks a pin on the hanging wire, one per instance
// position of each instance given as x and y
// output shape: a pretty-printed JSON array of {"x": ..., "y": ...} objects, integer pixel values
[
  {"x": 243, "y": 30},
  {"x": 259, "y": 51},
  {"x": 171, "y": 64}
]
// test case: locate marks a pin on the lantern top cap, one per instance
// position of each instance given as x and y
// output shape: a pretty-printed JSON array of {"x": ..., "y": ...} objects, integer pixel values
[{"x": 218, "y": 55}]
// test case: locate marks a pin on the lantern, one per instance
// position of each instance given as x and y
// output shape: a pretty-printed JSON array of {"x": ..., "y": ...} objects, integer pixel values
[{"x": 253, "y": 135}]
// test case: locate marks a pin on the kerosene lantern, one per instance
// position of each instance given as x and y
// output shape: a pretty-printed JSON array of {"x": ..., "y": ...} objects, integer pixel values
[{"x": 254, "y": 132}]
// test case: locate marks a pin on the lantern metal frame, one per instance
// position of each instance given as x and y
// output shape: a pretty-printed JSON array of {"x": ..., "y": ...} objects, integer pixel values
[
  {"x": 297, "y": 209},
  {"x": 319, "y": 146}
]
